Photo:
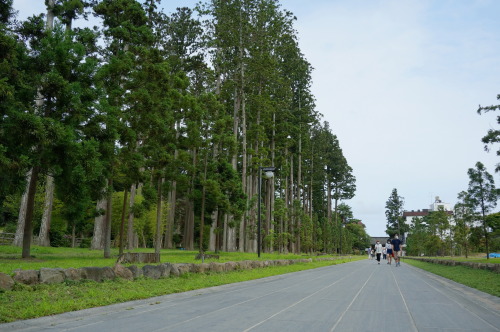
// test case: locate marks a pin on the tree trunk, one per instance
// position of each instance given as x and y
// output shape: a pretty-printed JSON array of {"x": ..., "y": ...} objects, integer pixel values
[
  {"x": 172, "y": 204},
  {"x": 43, "y": 236},
  {"x": 30, "y": 208},
  {"x": 122, "y": 223},
  {"x": 73, "y": 235},
  {"x": 290, "y": 206},
  {"x": 99, "y": 224},
  {"x": 50, "y": 15},
  {"x": 299, "y": 192},
  {"x": 188, "y": 238},
  {"x": 272, "y": 189},
  {"x": 202, "y": 215},
  {"x": 213, "y": 232},
  {"x": 18, "y": 238},
  {"x": 158, "y": 217},
  {"x": 108, "y": 221},
  {"x": 337, "y": 224},
  {"x": 130, "y": 224},
  {"x": 172, "y": 201},
  {"x": 329, "y": 217}
]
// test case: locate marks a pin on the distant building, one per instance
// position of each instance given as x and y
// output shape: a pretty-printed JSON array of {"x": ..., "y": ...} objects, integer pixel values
[{"x": 409, "y": 215}]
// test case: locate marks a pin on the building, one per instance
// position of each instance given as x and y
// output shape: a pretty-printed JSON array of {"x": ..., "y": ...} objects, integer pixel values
[{"x": 408, "y": 216}]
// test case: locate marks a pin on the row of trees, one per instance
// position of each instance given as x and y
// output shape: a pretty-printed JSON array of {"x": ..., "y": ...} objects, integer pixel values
[
  {"x": 150, "y": 130},
  {"x": 471, "y": 226}
]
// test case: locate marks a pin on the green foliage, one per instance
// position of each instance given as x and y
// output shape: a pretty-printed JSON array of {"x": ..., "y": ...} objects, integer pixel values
[
  {"x": 394, "y": 214},
  {"x": 197, "y": 106},
  {"x": 493, "y": 135},
  {"x": 482, "y": 195}
]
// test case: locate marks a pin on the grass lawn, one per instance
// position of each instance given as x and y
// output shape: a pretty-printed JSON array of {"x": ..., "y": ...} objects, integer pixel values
[
  {"x": 475, "y": 258},
  {"x": 483, "y": 280},
  {"x": 26, "y": 302},
  {"x": 48, "y": 257}
]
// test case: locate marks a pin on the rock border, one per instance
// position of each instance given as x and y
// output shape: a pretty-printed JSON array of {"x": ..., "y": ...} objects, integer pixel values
[
  {"x": 450, "y": 262},
  {"x": 165, "y": 270}
]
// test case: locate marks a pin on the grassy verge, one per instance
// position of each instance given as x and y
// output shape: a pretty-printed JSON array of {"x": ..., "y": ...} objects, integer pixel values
[
  {"x": 486, "y": 281},
  {"x": 41, "y": 300},
  {"x": 47, "y": 257},
  {"x": 475, "y": 259}
]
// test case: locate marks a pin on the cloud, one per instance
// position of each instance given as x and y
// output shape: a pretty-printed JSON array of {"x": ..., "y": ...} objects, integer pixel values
[{"x": 399, "y": 82}]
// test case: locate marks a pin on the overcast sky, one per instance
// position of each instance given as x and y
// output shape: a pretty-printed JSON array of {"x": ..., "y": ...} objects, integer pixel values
[{"x": 400, "y": 82}]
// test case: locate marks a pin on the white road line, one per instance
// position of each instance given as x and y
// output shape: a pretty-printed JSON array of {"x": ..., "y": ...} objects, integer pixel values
[
  {"x": 303, "y": 299},
  {"x": 413, "y": 325},
  {"x": 237, "y": 304},
  {"x": 350, "y": 304},
  {"x": 459, "y": 304}
]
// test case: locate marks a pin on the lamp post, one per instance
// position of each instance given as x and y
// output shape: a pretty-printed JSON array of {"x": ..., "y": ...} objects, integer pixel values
[
  {"x": 342, "y": 220},
  {"x": 269, "y": 174}
]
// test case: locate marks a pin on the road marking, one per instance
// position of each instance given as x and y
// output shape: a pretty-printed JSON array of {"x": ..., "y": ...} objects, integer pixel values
[
  {"x": 246, "y": 301},
  {"x": 303, "y": 299},
  {"x": 413, "y": 325},
  {"x": 350, "y": 304},
  {"x": 451, "y": 298}
]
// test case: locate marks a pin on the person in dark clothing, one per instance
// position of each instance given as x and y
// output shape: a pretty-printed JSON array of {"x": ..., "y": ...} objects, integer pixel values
[{"x": 396, "y": 249}]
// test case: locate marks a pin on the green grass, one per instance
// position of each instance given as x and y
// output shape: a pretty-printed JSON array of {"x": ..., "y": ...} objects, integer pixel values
[
  {"x": 483, "y": 280},
  {"x": 48, "y": 257},
  {"x": 41, "y": 300},
  {"x": 475, "y": 259}
]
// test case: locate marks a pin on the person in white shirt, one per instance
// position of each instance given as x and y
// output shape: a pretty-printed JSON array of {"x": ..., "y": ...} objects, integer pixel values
[
  {"x": 388, "y": 247},
  {"x": 378, "y": 251}
]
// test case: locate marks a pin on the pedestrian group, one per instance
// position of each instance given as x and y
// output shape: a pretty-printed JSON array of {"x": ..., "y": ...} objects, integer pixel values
[{"x": 391, "y": 251}]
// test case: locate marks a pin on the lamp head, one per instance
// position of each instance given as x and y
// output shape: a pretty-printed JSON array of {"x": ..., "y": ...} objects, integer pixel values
[{"x": 269, "y": 174}]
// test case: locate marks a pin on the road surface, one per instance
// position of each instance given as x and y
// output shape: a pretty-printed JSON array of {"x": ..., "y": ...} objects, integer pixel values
[{"x": 357, "y": 296}]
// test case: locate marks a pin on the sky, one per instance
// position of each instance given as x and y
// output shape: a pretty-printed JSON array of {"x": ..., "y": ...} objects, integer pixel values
[{"x": 400, "y": 82}]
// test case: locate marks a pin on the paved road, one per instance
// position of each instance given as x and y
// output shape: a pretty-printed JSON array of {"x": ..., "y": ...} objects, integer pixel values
[{"x": 357, "y": 296}]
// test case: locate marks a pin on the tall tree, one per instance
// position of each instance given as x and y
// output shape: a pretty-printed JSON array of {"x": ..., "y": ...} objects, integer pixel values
[
  {"x": 464, "y": 216},
  {"x": 482, "y": 194},
  {"x": 493, "y": 135},
  {"x": 62, "y": 74},
  {"x": 394, "y": 214}
]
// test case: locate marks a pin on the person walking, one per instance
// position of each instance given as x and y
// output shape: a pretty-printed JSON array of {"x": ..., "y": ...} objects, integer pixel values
[
  {"x": 378, "y": 251},
  {"x": 396, "y": 249},
  {"x": 388, "y": 248}
]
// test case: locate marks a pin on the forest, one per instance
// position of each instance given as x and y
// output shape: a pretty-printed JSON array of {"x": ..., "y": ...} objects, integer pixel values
[{"x": 149, "y": 129}]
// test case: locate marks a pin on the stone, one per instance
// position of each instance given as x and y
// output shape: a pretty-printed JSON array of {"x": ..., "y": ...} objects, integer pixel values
[
  {"x": 200, "y": 268},
  {"x": 230, "y": 266},
  {"x": 98, "y": 273},
  {"x": 245, "y": 265},
  {"x": 174, "y": 271},
  {"x": 184, "y": 268},
  {"x": 6, "y": 282},
  {"x": 136, "y": 272},
  {"x": 122, "y": 272},
  {"x": 51, "y": 276},
  {"x": 165, "y": 269},
  {"x": 27, "y": 277},
  {"x": 217, "y": 267},
  {"x": 152, "y": 271},
  {"x": 73, "y": 274}
]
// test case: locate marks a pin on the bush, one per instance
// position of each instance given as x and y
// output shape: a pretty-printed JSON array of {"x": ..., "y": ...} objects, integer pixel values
[{"x": 85, "y": 243}]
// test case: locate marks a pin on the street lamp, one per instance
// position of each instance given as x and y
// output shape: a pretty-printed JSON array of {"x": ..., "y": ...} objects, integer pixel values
[
  {"x": 342, "y": 218},
  {"x": 269, "y": 173}
]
